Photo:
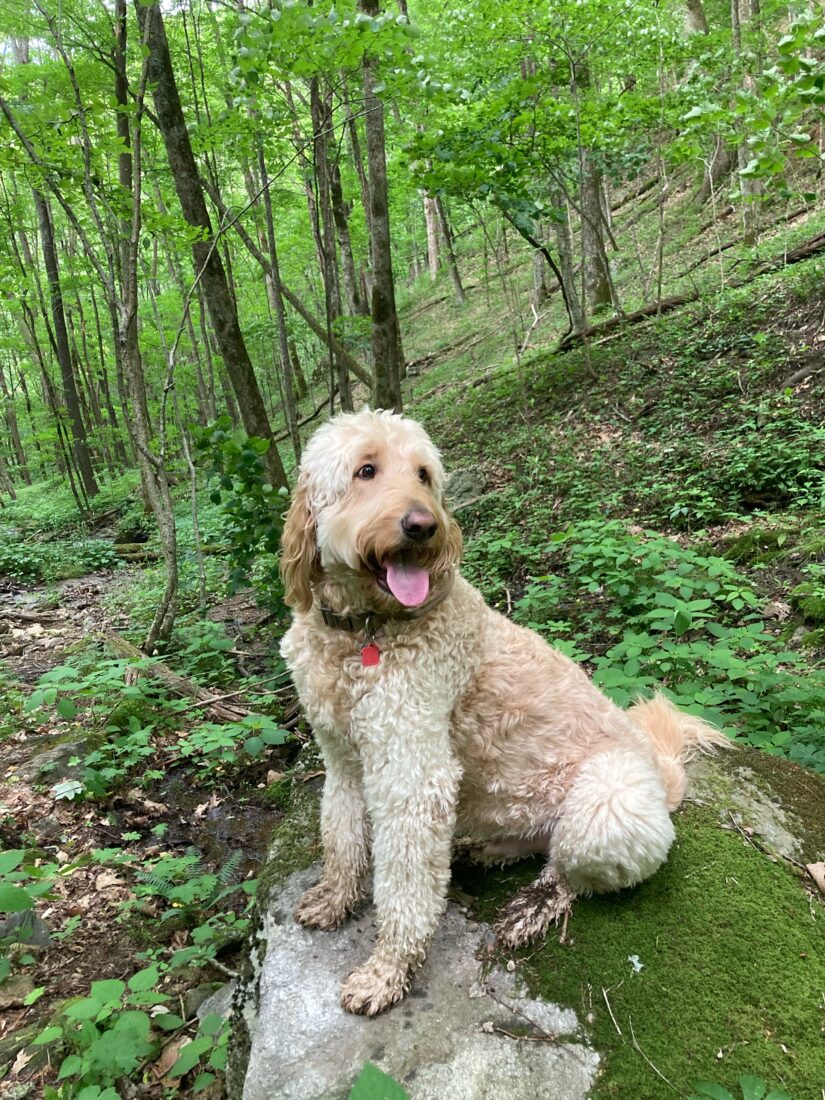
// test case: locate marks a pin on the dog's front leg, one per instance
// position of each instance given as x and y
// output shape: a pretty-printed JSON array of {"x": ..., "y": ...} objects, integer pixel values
[
  {"x": 411, "y": 780},
  {"x": 344, "y": 835}
]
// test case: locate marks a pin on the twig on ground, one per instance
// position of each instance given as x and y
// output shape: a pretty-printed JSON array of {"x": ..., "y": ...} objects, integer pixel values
[
  {"x": 658, "y": 1072},
  {"x": 610, "y": 1010},
  {"x": 224, "y": 969}
]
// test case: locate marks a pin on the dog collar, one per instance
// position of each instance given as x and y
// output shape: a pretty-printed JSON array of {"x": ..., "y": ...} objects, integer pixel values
[{"x": 371, "y": 622}]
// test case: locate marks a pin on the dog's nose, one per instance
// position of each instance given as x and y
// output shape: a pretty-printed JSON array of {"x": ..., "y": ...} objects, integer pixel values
[{"x": 419, "y": 525}]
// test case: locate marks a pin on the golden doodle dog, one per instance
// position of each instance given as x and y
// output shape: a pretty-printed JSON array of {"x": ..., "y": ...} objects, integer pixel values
[{"x": 438, "y": 717}]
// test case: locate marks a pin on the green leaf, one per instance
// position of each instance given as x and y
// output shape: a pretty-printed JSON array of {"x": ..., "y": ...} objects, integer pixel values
[
  {"x": 708, "y": 1088},
  {"x": 85, "y": 1009},
  {"x": 66, "y": 708},
  {"x": 48, "y": 1035},
  {"x": 202, "y": 1081},
  {"x": 108, "y": 991},
  {"x": 190, "y": 1055},
  {"x": 70, "y": 1066},
  {"x": 167, "y": 1021},
  {"x": 144, "y": 979},
  {"x": 254, "y": 745},
  {"x": 13, "y": 899},
  {"x": 753, "y": 1088},
  {"x": 34, "y": 996},
  {"x": 11, "y": 860},
  {"x": 211, "y": 1024},
  {"x": 373, "y": 1084}
]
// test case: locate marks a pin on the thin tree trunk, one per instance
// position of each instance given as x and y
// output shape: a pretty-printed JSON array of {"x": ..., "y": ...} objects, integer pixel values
[
  {"x": 325, "y": 243},
  {"x": 273, "y": 285},
  {"x": 431, "y": 222},
  {"x": 78, "y": 430},
  {"x": 449, "y": 252},
  {"x": 386, "y": 347},
  {"x": 207, "y": 260},
  {"x": 14, "y": 429}
]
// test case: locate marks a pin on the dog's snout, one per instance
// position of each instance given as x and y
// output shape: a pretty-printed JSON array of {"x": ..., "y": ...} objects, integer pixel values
[{"x": 419, "y": 525}]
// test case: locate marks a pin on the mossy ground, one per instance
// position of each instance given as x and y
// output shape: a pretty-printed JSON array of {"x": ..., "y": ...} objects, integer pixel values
[{"x": 733, "y": 955}]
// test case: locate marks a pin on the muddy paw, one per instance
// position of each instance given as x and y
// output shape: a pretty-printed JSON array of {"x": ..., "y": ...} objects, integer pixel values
[
  {"x": 373, "y": 987},
  {"x": 529, "y": 914},
  {"x": 322, "y": 907}
]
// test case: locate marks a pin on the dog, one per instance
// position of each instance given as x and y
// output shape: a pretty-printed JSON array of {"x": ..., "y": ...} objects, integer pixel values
[{"x": 439, "y": 717}]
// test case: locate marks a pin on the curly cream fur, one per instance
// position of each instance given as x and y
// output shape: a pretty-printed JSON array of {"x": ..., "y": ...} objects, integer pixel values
[{"x": 468, "y": 725}]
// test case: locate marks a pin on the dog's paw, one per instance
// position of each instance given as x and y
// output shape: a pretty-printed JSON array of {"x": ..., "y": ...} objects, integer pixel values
[
  {"x": 374, "y": 987},
  {"x": 322, "y": 907},
  {"x": 531, "y": 911}
]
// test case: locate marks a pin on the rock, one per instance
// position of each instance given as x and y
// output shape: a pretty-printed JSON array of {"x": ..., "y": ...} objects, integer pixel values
[
  {"x": 27, "y": 928},
  {"x": 14, "y": 989},
  {"x": 195, "y": 997},
  {"x": 435, "y": 1042},
  {"x": 464, "y": 486},
  {"x": 15, "y": 1041},
  {"x": 18, "y": 1091},
  {"x": 729, "y": 936},
  {"x": 218, "y": 1003},
  {"x": 52, "y": 765}
]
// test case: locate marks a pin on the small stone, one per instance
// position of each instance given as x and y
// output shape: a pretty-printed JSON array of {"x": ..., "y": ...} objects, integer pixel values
[
  {"x": 194, "y": 998},
  {"x": 14, "y": 990},
  {"x": 27, "y": 928}
]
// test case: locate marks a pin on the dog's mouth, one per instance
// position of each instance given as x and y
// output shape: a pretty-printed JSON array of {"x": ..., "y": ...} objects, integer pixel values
[{"x": 402, "y": 576}]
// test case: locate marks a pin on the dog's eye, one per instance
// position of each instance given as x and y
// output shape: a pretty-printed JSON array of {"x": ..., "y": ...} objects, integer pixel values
[
  {"x": 366, "y": 473},
  {"x": 423, "y": 475}
]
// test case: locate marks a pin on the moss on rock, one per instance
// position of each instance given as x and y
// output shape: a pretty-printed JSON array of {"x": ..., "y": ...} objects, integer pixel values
[
  {"x": 762, "y": 542},
  {"x": 733, "y": 964}
]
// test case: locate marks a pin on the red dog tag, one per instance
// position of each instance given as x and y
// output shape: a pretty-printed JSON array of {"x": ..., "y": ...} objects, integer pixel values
[{"x": 370, "y": 655}]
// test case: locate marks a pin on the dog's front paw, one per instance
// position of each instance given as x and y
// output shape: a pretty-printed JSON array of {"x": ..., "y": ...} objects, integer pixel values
[
  {"x": 323, "y": 907},
  {"x": 374, "y": 987}
]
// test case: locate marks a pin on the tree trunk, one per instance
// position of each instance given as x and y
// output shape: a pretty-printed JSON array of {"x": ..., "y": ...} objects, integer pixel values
[
  {"x": 273, "y": 286},
  {"x": 431, "y": 221},
  {"x": 449, "y": 252},
  {"x": 695, "y": 20},
  {"x": 14, "y": 429},
  {"x": 321, "y": 121},
  {"x": 356, "y": 306},
  {"x": 386, "y": 347},
  {"x": 207, "y": 260},
  {"x": 596, "y": 272},
  {"x": 61, "y": 336}
]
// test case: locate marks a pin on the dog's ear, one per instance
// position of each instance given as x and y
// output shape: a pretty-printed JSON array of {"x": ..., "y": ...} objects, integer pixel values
[
  {"x": 299, "y": 551},
  {"x": 453, "y": 545}
]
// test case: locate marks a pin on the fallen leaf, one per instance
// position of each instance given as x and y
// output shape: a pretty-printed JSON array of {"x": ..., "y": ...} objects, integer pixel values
[
  {"x": 817, "y": 873},
  {"x": 21, "y": 1061},
  {"x": 168, "y": 1056},
  {"x": 106, "y": 880}
]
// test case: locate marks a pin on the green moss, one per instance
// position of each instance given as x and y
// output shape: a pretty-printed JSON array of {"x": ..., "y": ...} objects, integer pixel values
[
  {"x": 810, "y": 604},
  {"x": 733, "y": 961},
  {"x": 814, "y": 639},
  {"x": 800, "y": 792},
  {"x": 296, "y": 841},
  {"x": 761, "y": 543},
  {"x": 279, "y": 794}
]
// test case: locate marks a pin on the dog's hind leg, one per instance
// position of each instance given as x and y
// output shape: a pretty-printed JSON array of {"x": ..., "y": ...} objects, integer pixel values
[
  {"x": 613, "y": 828},
  {"x": 531, "y": 911}
]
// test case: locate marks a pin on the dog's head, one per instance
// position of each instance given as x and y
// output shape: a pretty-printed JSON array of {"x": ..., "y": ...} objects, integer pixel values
[{"x": 368, "y": 526}]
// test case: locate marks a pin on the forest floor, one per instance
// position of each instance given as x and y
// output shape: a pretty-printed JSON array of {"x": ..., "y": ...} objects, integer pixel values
[{"x": 652, "y": 503}]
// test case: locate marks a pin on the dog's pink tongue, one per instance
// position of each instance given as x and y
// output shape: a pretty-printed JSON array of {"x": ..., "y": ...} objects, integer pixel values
[{"x": 408, "y": 583}]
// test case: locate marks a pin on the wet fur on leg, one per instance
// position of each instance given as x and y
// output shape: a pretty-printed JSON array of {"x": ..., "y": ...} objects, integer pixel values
[{"x": 531, "y": 911}]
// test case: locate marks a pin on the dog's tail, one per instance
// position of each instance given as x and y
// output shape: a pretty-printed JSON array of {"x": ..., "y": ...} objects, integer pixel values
[{"x": 677, "y": 737}]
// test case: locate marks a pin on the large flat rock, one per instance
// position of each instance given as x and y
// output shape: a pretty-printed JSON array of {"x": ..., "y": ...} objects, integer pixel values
[{"x": 446, "y": 1041}]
